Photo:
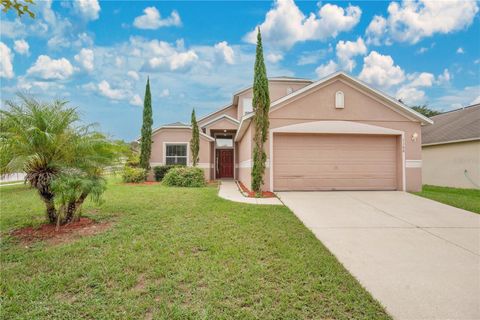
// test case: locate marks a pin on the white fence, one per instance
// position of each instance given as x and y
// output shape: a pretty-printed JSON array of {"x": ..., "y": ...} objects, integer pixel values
[{"x": 20, "y": 176}]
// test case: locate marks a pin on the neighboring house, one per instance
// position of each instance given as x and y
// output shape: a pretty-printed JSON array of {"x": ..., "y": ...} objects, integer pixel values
[
  {"x": 451, "y": 149},
  {"x": 333, "y": 134}
]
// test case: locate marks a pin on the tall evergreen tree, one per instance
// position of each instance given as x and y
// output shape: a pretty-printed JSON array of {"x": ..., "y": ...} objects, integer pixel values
[
  {"x": 146, "y": 139},
  {"x": 261, "y": 107},
  {"x": 195, "y": 141}
]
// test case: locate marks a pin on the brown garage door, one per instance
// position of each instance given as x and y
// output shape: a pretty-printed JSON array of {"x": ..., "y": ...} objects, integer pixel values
[{"x": 334, "y": 162}]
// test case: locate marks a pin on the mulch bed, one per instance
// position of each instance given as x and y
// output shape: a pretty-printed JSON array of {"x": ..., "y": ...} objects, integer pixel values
[
  {"x": 47, "y": 232},
  {"x": 251, "y": 194}
]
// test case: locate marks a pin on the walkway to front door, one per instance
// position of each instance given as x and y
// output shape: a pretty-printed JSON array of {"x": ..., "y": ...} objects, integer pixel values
[{"x": 225, "y": 163}]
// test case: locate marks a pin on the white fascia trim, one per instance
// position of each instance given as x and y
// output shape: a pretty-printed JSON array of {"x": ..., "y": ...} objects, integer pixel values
[
  {"x": 417, "y": 115},
  {"x": 336, "y": 127},
  {"x": 242, "y": 127},
  {"x": 448, "y": 142},
  {"x": 223, "y": 116},
  {"x": 181, "y": 127}
]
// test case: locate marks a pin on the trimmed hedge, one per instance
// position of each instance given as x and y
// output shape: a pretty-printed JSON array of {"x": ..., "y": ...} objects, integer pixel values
[
  {"x": 184, "y": 177},
  {"x": 134, "y": 175},
  {"x": 161, "y": 171}
]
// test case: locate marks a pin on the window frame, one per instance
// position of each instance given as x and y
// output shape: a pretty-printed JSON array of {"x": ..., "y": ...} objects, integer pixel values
[
  {"x": 186, "y": 144},
  {"x": 243, "y": 105},
  {"x": 223, "y": 135}
]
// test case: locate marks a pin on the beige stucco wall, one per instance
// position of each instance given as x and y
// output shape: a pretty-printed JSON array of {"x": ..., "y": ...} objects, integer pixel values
[
  {"x": 231, "y": 111},
  {"x": 360, "y": 107},
  {"x": 277, "y": 90},
  {"x": 244, "y": 157},
  {"x": 222, "y": 124},
  {"x": 445, "y": 165},
  {"x": 168, "y": 135}
]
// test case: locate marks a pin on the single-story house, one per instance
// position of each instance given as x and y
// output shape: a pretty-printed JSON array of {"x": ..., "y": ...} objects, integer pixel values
[
  {"x": 336, "y": 133},
  {"x": 451, "y": 149}
]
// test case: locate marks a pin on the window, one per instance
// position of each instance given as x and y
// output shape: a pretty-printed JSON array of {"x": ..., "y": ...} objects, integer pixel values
[
  {"x": 339, "y": 100},
  {"x": 289, "y": 90},
  {"x": 224, "y": 141},
  {"x": 176, "y": 154},
  {"x": 247, "y": 105}
]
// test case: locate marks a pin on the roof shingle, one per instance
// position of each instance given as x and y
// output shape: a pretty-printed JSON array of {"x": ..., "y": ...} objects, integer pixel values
[{"x": 460, "y": 124}]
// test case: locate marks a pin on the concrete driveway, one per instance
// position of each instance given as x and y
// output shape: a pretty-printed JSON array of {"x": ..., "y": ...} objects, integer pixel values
[{"x": 418, "y": 257}]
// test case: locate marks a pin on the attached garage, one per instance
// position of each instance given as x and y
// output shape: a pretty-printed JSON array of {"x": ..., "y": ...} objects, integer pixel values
[{"x": 315, "y": 156}]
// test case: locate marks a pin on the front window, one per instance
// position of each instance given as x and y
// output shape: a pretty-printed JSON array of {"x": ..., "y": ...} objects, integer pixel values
[
  {"x": 225, "y": 141},
  {"x": 176, "y": 154},
  {"x": 247, "y": 105}
]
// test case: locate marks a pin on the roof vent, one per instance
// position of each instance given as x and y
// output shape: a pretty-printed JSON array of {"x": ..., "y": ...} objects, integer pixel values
[{"x": 339, "y": 100}]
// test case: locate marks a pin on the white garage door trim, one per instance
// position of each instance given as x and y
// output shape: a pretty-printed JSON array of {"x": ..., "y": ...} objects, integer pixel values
[{"x": 336, "y": 127}]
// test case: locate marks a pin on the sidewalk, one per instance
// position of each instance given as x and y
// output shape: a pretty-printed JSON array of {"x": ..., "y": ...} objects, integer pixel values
[{"x": 229, "y": 190}]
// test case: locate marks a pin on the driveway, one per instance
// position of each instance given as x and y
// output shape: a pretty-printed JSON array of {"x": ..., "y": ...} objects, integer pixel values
[{"x": 418, "y": 257}]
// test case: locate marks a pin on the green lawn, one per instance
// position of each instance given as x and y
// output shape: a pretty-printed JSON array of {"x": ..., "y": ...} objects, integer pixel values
[
  {"x": 175, "y": 254},
  {"x": 468, "y": 199}
]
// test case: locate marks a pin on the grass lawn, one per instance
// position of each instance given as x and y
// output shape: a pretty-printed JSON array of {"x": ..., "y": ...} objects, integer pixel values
[
  {"x": 467, "y": 199},
  {"x": 175, "y": 253}
]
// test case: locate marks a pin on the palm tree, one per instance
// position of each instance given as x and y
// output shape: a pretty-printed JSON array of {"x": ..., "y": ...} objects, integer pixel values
[{"x": 47, "y": 141}]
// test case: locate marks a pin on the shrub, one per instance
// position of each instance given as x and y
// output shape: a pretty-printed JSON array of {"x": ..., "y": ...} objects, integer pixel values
[
  {"x": 133, "y": 161},
  {"x": 160, "y": 171},
  {"x": 134, "y": 175},
  {"x": 184, "y": 177}
]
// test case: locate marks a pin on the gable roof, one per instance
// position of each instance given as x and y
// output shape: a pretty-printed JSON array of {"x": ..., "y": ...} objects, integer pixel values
[
  {"x": 176, "y": 124},
  {"x": 398, "y": 106},
  {"x": 239, "y": 92},
  {"x": 223, "y": 116},
  {"x": 453, "y": 126}
]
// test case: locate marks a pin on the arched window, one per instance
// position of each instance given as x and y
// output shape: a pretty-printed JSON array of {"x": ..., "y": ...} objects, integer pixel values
[{"x": 339, "y": 100}]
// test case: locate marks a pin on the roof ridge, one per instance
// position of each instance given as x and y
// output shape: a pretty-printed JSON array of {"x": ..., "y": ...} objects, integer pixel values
[{"x": 458, "y": 109}]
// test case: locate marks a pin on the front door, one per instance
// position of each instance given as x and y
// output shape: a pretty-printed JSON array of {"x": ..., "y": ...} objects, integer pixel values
[{"x": 225, "y": 163}]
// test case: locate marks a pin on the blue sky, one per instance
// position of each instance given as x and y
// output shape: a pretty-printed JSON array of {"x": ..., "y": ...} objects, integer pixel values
[{"x": 98, "y": 55}]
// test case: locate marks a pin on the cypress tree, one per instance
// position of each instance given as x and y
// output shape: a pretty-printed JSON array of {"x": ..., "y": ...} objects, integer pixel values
[
  {"x": 261, "y": 107},
  {"x": 146, "y": 139},
  {"x": 195, "y": 141}
]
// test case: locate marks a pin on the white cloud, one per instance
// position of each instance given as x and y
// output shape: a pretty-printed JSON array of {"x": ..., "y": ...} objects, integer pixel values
[
  {"x": 118, "y": 61},
  {"x": 476, "y": 100},
  {"x": 107, "y": 91},
  {"x": 133, "y": 74},
  {"x": 47, "y": 68},
  {"x": 346, "y": 50},
  {"x": 311, "y": 57},
  {"x": 274, "y": 57},
  {"x": 412, "y": 21},
  {"x": 6, "y": 59},
  {"x": 136, "y": 101},
  {"x": 460, "y": 50},
  {"x": 86, "y": 59},
  {"x": 163, "y": 56},
  {"x": 375, "y": 30},
  {"x": 379, "y": 70},
  {"x": 21, "y": 46},
  {"x": 326, "y": 69},
  {"x": 151, "y": 19},
  {"x": 286, "y": 25},
  {"x": 444, "y": 77},
  {"x": 411, "y": 93},
  {"x": 88, "y": 9},
  {"x": 164, "y": 93},
  {"x": 225, "y": 51},
  {"x": 455, "y": 98}
]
